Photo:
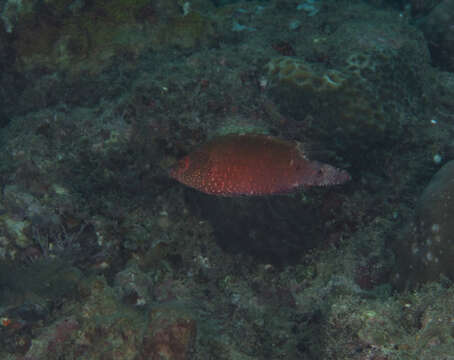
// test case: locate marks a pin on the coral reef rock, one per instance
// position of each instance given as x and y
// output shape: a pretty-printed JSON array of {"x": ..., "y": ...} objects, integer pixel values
[
  {"x": 428, "y": 244},
  {"x": 439, "y": 31}
]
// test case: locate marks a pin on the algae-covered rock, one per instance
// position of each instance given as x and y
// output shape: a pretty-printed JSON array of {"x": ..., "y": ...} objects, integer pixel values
[
  {"x": 415, "y": 325},
  {"x": 82, "y": 39},
  {"x": 356, "y": 94},
  {"x": 17, "y": 230},
  {"x": 443, "y": 99},
  {"x": 87, "y": 38},
  {"x": 422, "y": 8},
  {"x": 171, "y": 334},
  {"x": 439, "y": 31},
  {"x": 184, "y": 32},
  {"x": 426, "y": 251},
  {"x": 337, "y": 98},
  {"x": 22, "y": 214}
]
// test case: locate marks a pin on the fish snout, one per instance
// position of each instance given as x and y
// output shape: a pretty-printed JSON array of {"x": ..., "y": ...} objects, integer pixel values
[{"x": 329, "y": 175}]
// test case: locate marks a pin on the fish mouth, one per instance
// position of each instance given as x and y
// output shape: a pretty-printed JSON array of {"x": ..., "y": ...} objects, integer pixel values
[
  {"x": 342, "y": 177},
  {"x": 332, "y": 176}
]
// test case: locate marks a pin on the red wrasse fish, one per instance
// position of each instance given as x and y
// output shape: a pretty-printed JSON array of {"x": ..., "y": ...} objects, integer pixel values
[{"x": 252, "y": 164}]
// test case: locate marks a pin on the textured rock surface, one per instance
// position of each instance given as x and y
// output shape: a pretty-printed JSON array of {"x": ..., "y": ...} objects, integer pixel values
[
  {"x": 351, "y": 87},
  {"x": 170, "y": 335},
  {"x": 427, "y": 250},
  {"x": 89, "y": 35},
  {"x": 439, "y": 31}
]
